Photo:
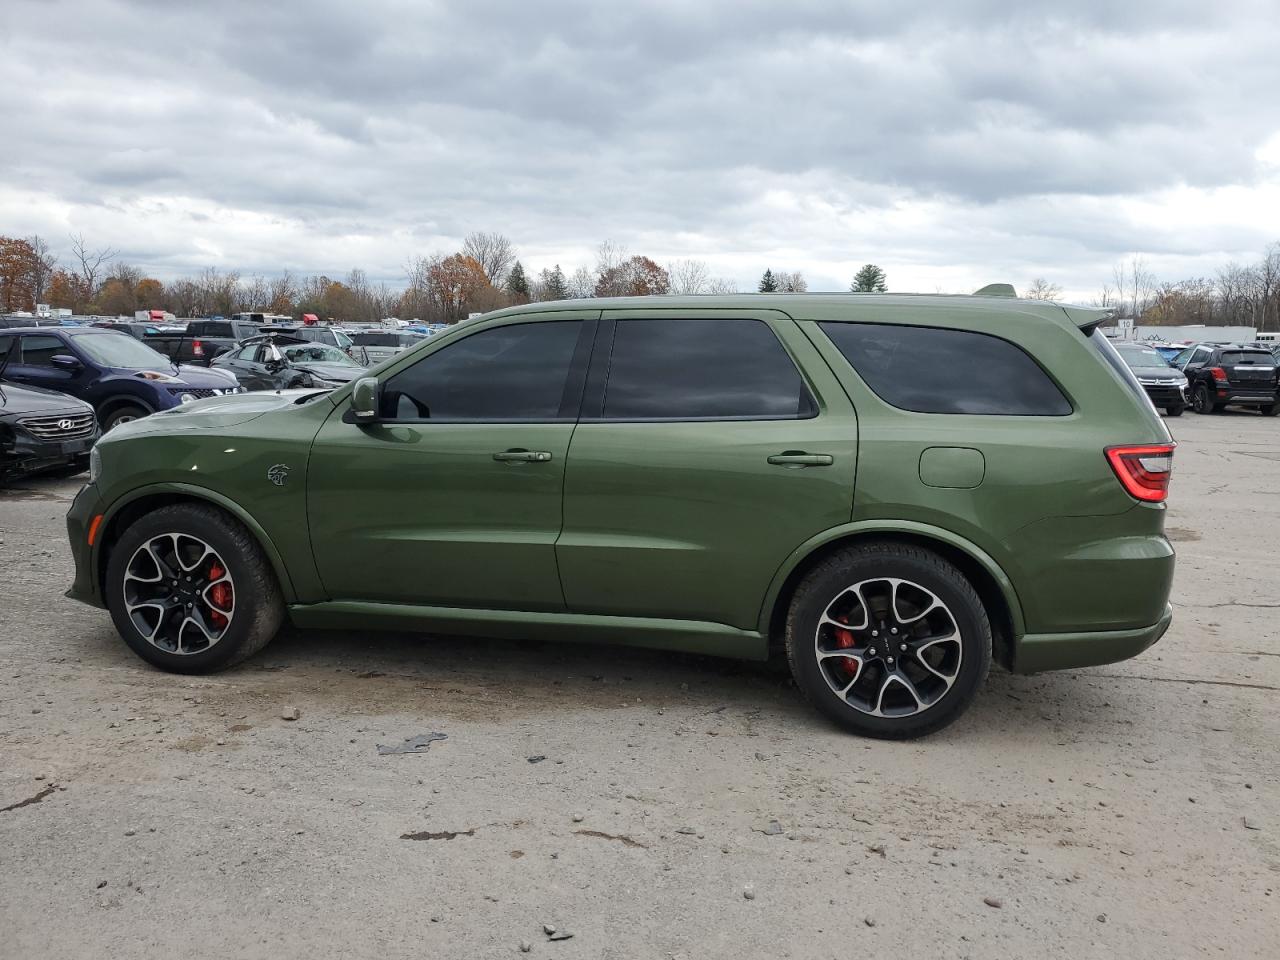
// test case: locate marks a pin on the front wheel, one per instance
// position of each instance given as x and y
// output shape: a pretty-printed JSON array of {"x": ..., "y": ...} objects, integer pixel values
[
  {"x": 1270, "y": 410},
  {"x": 1174, "y": 410},
  {"x": 121, "y": 415},
  {"x": 888, "y": 640},
  {"x": 190, "y": 591}
]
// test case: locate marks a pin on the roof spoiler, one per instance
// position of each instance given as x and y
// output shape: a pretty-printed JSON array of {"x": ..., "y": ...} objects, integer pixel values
[
  {"x": 996, "y": 290},
  {"x": 1088, "y": 319}
]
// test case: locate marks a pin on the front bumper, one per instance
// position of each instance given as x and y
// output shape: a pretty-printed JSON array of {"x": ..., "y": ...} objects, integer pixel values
[
  {"x": 84, "y": 508},
  {"x": 1164, "y": 396},
  {"x": 24, "y": 453},
  {"x": 1035, "y": 652}
]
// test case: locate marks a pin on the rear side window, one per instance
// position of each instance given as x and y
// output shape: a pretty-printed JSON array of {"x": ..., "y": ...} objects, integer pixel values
[
  {"x": 39, "y": 351},
  {"x": 376, "y": 340},
  {"x": 932, "y": 370},
  {"x": 702, "y": 370}
]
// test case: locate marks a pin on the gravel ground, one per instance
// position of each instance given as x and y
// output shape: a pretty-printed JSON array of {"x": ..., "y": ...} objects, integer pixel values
[{"x": 1131, "y": 810}]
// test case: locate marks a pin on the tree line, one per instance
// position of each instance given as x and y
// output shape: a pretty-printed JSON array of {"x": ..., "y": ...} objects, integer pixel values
[{"x": 486, "y": 274}]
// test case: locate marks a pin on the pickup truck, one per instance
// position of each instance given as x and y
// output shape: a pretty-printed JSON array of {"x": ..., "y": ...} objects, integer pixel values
[{"x": 202, "y": 341}]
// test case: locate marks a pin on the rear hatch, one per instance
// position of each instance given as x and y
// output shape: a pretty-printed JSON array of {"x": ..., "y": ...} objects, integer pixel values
[{"x": 1251, "y": 370}]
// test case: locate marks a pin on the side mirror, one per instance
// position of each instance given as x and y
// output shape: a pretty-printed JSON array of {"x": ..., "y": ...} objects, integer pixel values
[
  {"x": 66, "y": 361},
  {"x": 364, "y": 400}
]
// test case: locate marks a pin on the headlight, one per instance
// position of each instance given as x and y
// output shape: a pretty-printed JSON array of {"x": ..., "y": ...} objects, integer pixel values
[
  {"x": 95, "y": 464},
  {"x": 186, "y": 398}
]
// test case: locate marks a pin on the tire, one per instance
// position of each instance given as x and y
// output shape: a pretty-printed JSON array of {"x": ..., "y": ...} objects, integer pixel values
[
  {"x": 1270, "y": 410},
  {"x": 123, "y": 414},
  {"x": 253, "y": 608},
  {"x": 1175, "y": 410},
  {"x": 1201, "y": 402},
  {"x": 858, "y": 578}
]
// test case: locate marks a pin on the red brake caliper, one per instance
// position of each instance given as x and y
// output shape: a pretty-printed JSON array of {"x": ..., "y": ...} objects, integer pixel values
[
  {"x": 219, "y": 596},
  {"x": 844, "y": 640}
]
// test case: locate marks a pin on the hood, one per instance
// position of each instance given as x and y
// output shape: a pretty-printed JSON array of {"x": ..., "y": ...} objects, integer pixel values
[
  {"x": 1151, "y": 371},
  {"x": 340, "y": 372},
  {"x": 16, "y": 400},
  {"x": 187, "y": 375},
  {"x": 215, "y": 412}
]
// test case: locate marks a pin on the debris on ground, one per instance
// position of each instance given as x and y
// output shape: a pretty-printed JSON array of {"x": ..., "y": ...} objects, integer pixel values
[
  {"x": 749, "y": 892},
  {"x": 1249, "y": 824},
  {"x": 876, "y": 848},
  {"x": 538, "y": 759},
  {"x": 620, "y": 837},
  {"x": 32, "y": 799},
  {"x": 440, "y": 835},
  {"x": 772, "y": 830},
  {"x": 525, "y": 946},
  {"x": 560, "y": 935},
  {"x": 993, "y": 902},
  {"x": 290, "y": 713},
  {"x": 413, "y": 744}
]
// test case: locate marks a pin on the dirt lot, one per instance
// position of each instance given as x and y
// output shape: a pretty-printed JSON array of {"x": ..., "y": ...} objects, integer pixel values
[{"x": 1131, "y": 810}]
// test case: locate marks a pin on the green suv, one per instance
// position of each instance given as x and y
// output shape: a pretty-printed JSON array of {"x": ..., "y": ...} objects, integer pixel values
[{"x": 894, "y": 489}]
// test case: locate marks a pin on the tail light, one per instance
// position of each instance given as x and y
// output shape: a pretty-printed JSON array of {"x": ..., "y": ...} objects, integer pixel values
[
  {"x": 197, "y": 348},
  {"x": 1218, "y": 374},
  {"x": 1143, "y": 471}
]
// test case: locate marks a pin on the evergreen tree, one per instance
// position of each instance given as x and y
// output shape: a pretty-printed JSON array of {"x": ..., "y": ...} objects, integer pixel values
[
  {"x": 767, "y": 283},
  {"x": 554, "y": 285},
  {"x": 518, "y": 283},
  {"x": 870, "y": 279}
]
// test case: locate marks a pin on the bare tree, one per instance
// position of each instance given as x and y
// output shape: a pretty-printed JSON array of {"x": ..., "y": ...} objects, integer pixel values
[
  {"x": 721, "y": 285},
  {"x": 1135, "y": 285},
  {"x": 688, "y": 276},
  {"x": 609, "y": 257},
  {"x": 493, "y": 251},
  {"x": 43, "y": 265},
  {"x": 92, "y": 263},
  {"x": 792, "y": 281},
  {"x": 1042, "y": 289},
  {"x": 1106, "y": 297},
  {"x": 582, "y": 284},
  {"x": 1267, "y": 289}
]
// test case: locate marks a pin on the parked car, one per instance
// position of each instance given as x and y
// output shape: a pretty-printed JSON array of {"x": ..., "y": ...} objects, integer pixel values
[
  {"x": 282, "y": 363},
  {"x": 675, "y": 472},
  {"x": 119, "y": 377},
  {"x": 203, "y": 340},
  {"x": 371, "y": 347},
  {"x": 1164, "y": 385},
  {"x": 137, "y": 330},
  {"x": 313, "y": 332},
  {"x": 41, "y": 430},
  {"x": 1222, "y": 375}
]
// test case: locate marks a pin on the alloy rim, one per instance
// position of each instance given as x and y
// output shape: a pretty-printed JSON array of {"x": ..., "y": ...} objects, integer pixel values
[
  {"x": 888, "y": 647},
  {"x": 179, "y": 594}
]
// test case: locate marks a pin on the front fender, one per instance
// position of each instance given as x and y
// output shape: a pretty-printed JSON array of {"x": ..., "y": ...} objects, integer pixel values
[
  {"x": 196, "y": 492},
  {"x": 862, "y": 528}
]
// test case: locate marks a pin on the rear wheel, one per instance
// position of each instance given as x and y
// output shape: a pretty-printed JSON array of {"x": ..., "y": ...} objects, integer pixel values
[
  {"x": 1201, "y": 402},
  {"x": 888, "y": 640},
  {"x": 190, "y": 591}
]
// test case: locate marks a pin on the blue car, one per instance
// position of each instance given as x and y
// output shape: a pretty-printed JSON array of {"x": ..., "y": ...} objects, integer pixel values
[{"x": 120, "y": 377}]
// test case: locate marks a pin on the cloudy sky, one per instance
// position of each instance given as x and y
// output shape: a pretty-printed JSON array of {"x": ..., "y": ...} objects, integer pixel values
[{"x": 954, "y": 142}]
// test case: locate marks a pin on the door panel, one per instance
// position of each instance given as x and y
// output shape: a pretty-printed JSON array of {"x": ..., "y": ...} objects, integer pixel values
[
  {"x": 455, "y": 498},
  {"x": 689, "y": 519},
  {"x": 423, "y": 513}
]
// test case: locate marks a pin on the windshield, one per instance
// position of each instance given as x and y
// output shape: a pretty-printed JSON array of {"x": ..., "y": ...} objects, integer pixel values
[
  {"x": 317, "y": 353},
  {"x": 121, "y": 350},
  {"x": 1141, "y": 356}
]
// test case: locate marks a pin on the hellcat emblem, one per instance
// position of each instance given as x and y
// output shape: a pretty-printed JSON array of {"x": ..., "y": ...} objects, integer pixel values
[{"x": 278, "y": 474}]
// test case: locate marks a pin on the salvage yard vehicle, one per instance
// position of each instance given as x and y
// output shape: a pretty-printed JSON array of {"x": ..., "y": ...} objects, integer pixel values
[
  {"x": 203, "y": 340},
  {"x": 121, "y": 378},
  {"x": 1164, "y": 385},
  {"x": 1221, "y": 375},
  {"x": 42, "y": 431},
  {"x": 724, "y": 475},
  {"x": 371, "y": 347},
  {"x": 283, "y": 363}
]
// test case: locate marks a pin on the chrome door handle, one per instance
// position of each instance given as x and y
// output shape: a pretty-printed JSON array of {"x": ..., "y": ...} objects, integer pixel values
[
  {"x": 802, "y": 460},
  {"x": 523, "y": 456}
]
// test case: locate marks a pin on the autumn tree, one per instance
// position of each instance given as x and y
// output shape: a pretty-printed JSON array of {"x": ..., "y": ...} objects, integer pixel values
[
  {"x": 63, "y": 290},
  {"x": 454, "y": 282},
  {"x": 870, "y": 279},
  {"x": 17, "y": 275},
  {"x": 767, "y": 282},
  {"x": 635, "y": 277},
  {"x": 1042, "y": 289}
]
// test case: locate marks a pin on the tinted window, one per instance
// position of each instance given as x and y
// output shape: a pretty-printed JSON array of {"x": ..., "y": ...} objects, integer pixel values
[
  {"x": 512, "y": 373},
  {"x": 119, "y": 350},
  {"x": 6, "y": 344},
  {"x": 376, "y": 340},
  {"x": 931, "y": 370},
  {"x": 702, "y": 370},
  {"x": 38, "y": 351},
  {"x": 1233, "y": 358}
]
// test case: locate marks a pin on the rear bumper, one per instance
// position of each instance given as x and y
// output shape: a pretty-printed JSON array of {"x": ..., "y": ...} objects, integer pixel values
[
  {"x": 1036, "y": 652},
  {"x": 1242, "y": 397}
]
